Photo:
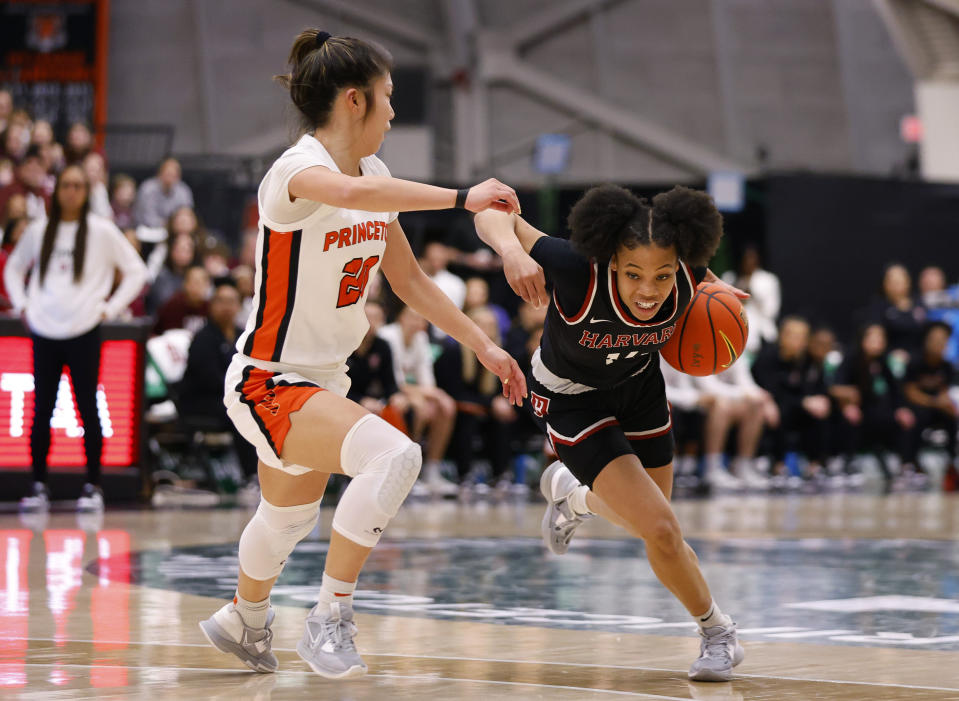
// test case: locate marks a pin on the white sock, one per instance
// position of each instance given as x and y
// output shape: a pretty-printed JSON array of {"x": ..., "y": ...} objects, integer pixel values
[
  {"x": 713, "y": 617},
  {"x": 714, "y": 462},
  {"x": 742, "y": 466},
  {"x": 253, "y": 613},
  {"x": 686, "y": 464},
  {"x": 577, "y": 500},
  {"x": 431, "y": 470},
  {"x": 335, "y": 590}
]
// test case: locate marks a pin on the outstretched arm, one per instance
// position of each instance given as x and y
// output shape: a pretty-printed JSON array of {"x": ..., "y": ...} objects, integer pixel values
[
  {"x": 381, "y": 193},
  {"x": 513, "y": 238},
  {"x": 422, "y": 295}
]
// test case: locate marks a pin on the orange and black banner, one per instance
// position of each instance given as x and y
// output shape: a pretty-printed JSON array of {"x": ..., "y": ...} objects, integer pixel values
[{"x": 53, "y": 58}]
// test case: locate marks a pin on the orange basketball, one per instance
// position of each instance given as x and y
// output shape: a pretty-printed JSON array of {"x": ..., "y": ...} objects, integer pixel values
[{"x": 710, "y": 335}]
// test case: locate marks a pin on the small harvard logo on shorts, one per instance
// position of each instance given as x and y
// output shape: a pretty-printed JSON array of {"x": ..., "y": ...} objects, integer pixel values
[{"x": 540, "y": 404}]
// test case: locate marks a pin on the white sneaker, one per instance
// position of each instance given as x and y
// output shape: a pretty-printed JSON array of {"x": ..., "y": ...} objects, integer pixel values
[
  {"x": 38, "y": 500},
  {"x": 436, "y": 483},
  {"x": 719, "y": 652},
  {"x": 752, "y": 478},
  {"x": 327, "y": 644},
  {"x": 560, "y": 521},
  {"x": 91, "y": 499},
  {"x": 720, "y": 479},
  {"x": 228, "y": 633},
  {"x": 420, "y": 490}
]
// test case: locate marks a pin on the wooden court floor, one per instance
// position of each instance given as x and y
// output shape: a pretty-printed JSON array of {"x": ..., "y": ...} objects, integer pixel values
[{"x": 837, "y": 596}]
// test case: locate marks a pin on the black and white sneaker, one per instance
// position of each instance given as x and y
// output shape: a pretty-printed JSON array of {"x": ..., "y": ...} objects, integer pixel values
[
  {"x": 91, "y": 499},
  {"x": 37, "y": 500}
]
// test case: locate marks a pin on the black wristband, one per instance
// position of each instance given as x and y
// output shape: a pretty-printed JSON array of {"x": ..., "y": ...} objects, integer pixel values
[{"x": 461, "y": 198}]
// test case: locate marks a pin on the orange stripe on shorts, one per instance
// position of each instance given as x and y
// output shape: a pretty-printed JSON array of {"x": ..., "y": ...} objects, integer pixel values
[{"x": 271, "y": 404}]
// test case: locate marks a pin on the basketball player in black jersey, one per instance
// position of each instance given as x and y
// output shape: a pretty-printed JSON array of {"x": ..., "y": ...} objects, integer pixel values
[{"x": 618, "y": 287}]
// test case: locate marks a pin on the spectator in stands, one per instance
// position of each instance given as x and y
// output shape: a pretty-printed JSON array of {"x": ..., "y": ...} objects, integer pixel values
[
  {"x": 942, "y": 304},
  {"x": 14, "y": 142},
  {"x": 482, "y": 410},
  {"x": 434, "y": 261},
  {"x": 928, "y": 381},
  {"x": 51, "y": 155},
  {"x": 78, "y": 144},
  {"x": 900, "y": 314},
  {"x": 932, "y": 289},
  {"x": 180, "y": 256},
  {"x": 72, "y": 258},
  {"x": 138, "y": 307},
  {"x": 123, "y": 193},
  {"x": 434, "y": 411},
  {"x": 6, "y": 107},
  {"x": 29, "y": 182},
  {"x": 736, "y": 401},
  {"x": 244, "y": 278},
  {"x": 12, "y": 232},
  {"x": 247, "y": 252},
  {"x": 687, "y": 410},
  {"x": 528, "y": 323},
  {"x": 871, "y": 401},
  {"x": 22, "y": 118},
  {"x": 16, "y": 208},
  {"x": 200, "y": 392},
  {"x": 185, "y": 221},
  {"x": 187, "y": 308},
  {"x": 377, "y": 291},
  {"x": 42, "y": 133},
  {"x": 6, "y": 172},
  {"x": 762, "y": 307},
  {"x": 521, "y": 342},
  {"x": 783, "y": 370},
  {"x": 96, "y": 169},
  {"x": 372, "y": 376},
  {"x": 215, "y": 257},
  {"x": 477, "y": 297},
  {"x": 824, "y": 358},
  {"x": 162, "y": 195}
]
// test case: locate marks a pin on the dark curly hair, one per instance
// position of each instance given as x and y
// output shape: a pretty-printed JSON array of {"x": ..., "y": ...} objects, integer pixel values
[{"x": 609, "y": 216}]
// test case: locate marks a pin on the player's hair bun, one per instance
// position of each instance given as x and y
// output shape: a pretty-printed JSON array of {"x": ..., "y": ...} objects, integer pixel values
[
  {"x": 321, "y": 65},
  {"x": 689, "y": 220},
  {"x": 598, "y": 219}
]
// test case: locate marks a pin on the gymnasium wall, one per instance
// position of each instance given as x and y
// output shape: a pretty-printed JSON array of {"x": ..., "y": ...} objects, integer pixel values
[
  {"x": 816, "y": 84},
  {"x": 829, "y": 238}
]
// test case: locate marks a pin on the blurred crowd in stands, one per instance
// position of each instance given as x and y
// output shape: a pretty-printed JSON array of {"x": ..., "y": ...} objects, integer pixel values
[{"x": 799, "y": 411}]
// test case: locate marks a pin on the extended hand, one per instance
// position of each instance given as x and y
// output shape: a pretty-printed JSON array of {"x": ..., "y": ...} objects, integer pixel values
[
  {"x": 711, "y": 278},
  {"x": 492, "y": 194},
  {"x": 501, "y": 364},
  {"x": 526, "y": 278}
]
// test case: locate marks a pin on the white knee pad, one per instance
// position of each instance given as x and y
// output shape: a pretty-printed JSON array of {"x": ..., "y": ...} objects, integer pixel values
[
  {"x": 384, "y": 464},
  {"x": 271, "y": 535}
]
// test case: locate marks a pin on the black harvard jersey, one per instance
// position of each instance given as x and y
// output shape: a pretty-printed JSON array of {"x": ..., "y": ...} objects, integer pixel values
[{"x": 591, "y": 341}]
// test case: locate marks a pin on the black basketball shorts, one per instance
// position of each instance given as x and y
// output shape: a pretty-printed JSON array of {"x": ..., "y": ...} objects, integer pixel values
[{"x": 591, "y": 429}]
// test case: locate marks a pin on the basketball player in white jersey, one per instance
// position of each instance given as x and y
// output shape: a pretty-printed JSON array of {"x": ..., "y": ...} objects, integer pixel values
[{"x": 328, "y": 211}]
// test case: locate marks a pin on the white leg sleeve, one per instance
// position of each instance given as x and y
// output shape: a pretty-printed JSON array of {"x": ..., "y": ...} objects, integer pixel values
[
  {"x": 271, "y": 535},
  {"x": 384, "y": 464}
]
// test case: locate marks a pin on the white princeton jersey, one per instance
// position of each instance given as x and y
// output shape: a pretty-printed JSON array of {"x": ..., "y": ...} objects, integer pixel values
[{"x": 313, "y": 265}]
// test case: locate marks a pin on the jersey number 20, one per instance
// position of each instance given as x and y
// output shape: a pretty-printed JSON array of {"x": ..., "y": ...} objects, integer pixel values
[{"x": 355, "y": 280}]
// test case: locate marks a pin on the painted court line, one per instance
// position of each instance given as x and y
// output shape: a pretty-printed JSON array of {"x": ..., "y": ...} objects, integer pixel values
[
  {"x": 615, "y": 692},
  {"x": 422, "y": 677},
  {"x": 887, "y": 685}
]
